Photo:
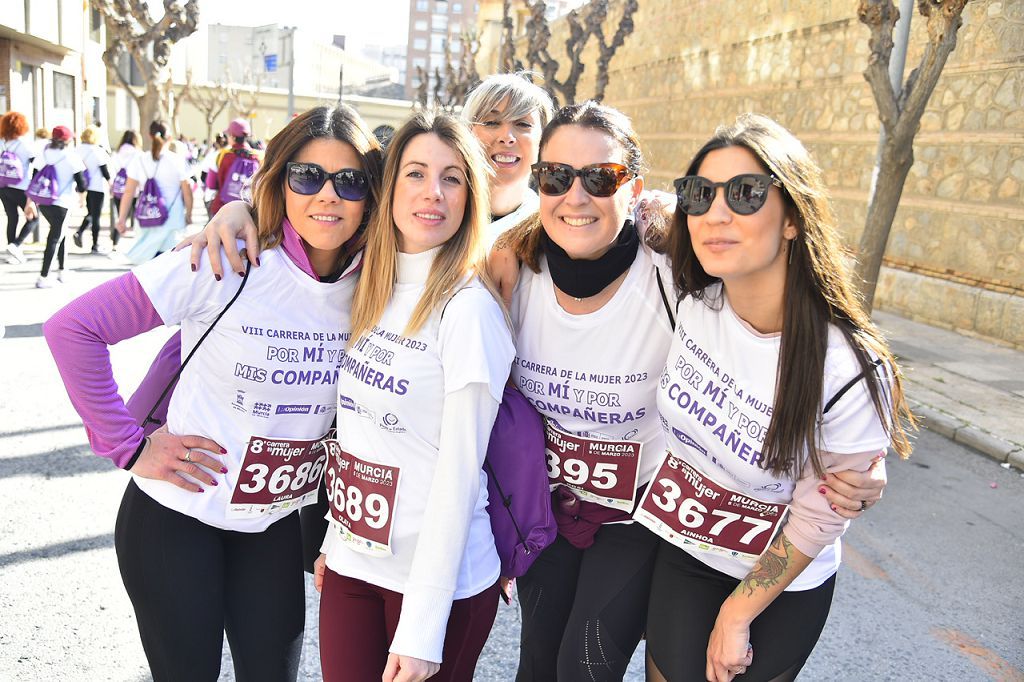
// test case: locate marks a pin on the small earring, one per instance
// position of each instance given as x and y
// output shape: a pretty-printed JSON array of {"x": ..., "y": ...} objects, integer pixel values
[{"x": 790, "y": 252}]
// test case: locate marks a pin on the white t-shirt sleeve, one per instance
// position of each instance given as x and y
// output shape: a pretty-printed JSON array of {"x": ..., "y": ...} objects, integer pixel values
[
  {"x": 136, "y": 170},
  {"x": 466, "y": 423},
  {"x": 178, "y": 293},
  {"x": 75, "y": 162},
  {"x": 475, "y": 342},
  {"x": 100, "y": 156},
  {"x": 181, "y": 168},
  {"x": 853, "y": 424}
]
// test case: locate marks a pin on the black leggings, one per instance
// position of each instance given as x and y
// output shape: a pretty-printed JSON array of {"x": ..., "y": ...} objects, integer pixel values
[
  {"x": 115, "y": 212},
  {"x": 55, "y": 216},
  {"x": 14, "y": 199},
  {"x": 93, "y": 207},
  {"x": 686, "y": 595},
  {"x": 190, "y": 582},
  {"x": 584, "y": 611}
]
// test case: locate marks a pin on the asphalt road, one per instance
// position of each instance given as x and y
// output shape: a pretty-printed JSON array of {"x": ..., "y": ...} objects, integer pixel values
[{"x": 931, "y": 587}]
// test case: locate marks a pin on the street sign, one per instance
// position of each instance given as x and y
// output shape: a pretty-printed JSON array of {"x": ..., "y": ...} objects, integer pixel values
[{"x": 270, "y": 63}]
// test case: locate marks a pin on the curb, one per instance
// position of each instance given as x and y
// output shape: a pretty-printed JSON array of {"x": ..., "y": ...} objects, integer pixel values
[{"x": 970, "y": 436}]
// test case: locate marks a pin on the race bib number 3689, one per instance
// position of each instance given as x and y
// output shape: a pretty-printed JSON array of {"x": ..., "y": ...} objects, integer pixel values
[
  {"x": 694, "y": 512},
  {"x": 277, "y": 475},
  {"x": 363, "y": 496}
]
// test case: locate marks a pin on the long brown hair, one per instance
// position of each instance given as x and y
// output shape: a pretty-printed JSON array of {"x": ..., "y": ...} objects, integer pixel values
[
  {"x": 460, "y": 257},
  {"x": 340, "y": 122},
  {"x": 158, "y": 136},
  {"x": 818, "y": 292}
]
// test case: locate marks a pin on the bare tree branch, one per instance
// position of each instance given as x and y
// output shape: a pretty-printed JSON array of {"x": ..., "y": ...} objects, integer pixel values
[{"x": 880, "y": 16}]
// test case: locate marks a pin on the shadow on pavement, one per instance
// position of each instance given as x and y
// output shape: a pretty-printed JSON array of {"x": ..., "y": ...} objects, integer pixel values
[
  {"x": 41, "y": 429},
  {"x": 69, "y": 461},
  {"x": 22, "y": 331},
  {"x": 58, "y": 550}
]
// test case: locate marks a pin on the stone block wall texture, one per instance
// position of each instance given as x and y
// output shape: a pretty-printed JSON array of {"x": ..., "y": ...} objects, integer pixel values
[{"x": 956, "y": 253}]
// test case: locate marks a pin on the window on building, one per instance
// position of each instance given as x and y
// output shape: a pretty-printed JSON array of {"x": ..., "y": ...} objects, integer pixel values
[
  {"x": 441, "y": 7},
  {"x": 95, "y": 25},
  {"x": 419, "y": 43},
  {"x": 420, "y": 62},
  {"x": 422, "y": 5},
  {"x": 439, "y": 22},
  {"x": 420, "y": 25},
  {"x": 63, "y": 91},
  {"x": 455, "y": 28},
  {"x": 95, "y": 109},
  {"x": 437, "y": 43},
  {"x": 456, "y": 8}
]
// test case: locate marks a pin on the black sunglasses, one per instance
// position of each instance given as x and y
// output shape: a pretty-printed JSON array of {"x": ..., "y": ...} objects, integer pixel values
[
  {"x": 744, "y": 194},
  {"x": 598, "y": 179},
  {"x": 309, "y": 178}
]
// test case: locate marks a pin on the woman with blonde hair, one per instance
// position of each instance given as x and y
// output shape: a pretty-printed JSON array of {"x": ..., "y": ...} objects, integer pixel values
[
  {"x": 97, "y": 175},
  {"x": 776, "y": 376},
  {"x": 408, "y": 574}
]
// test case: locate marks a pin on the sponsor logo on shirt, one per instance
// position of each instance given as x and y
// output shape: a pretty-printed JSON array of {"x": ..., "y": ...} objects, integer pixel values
[
  {"x": 293, "y": 409},
  {"x": 389, "y": 422},
  {"x": 239, "y": 403},
  {"x": 686, "y": 440},
  {"x": 323, "y": 409},
  {"x": 261, "y": 410},
  {"x": 346, "y": 403}
]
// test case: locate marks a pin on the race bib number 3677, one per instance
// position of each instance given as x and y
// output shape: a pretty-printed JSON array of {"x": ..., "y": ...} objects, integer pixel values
[
  {"x": 694, "y": 512},
  {"x": 363, "y": 496},
  {"x": 277, "y": 475}
]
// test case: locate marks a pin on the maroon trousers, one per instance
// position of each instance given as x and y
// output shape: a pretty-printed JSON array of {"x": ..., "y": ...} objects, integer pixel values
[{"x": 358, "y": 621}]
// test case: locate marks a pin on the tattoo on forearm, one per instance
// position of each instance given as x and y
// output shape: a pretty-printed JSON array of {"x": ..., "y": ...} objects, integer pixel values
[{"x": 769, "y": 567}]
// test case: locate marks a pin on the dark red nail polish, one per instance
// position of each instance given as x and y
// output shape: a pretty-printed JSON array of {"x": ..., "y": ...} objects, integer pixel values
[
  {"x": 257, "y": 261},
  {"x": 213, "y": 482},
  {"x": 241, "y": 273},
  {"x": 821, "y": 490},
  {"x": 223, "y": 470},
  {"x": 834, "y": 508},
  {"x": 193, "y": 266},
  {"x": 201, "y": 490},
  {"x": 223, "y": 451},
  {"x": 217, "y": 277}
]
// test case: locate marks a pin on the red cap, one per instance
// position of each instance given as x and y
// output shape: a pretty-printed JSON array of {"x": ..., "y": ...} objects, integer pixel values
[{"x": 61, "y": 134}]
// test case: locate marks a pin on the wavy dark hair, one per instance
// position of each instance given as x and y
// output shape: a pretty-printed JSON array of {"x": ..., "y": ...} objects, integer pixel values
[
  {"x": 340, "y": 122},
  {"x": 819, "y": 291}
]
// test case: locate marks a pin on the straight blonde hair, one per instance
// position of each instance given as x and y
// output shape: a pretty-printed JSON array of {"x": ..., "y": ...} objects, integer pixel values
[{"x": 459, "y": 259}]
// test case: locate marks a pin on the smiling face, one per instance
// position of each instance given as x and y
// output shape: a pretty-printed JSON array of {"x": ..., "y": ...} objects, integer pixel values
[
  {"x": 430, "y": 194},
  {"x": 323, "y": 220},
  {"x": 583, "y": 225},
  {"x": 511, "y": 145},
  {"x": 741, "y": 250}
]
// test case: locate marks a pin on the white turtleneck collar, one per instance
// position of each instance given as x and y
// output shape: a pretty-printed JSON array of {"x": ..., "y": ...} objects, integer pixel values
[{"x": 414, "y": 268}]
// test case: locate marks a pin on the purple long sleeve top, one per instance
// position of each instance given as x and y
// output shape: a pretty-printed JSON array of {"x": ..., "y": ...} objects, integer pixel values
[{"x": 78, "y": 336}]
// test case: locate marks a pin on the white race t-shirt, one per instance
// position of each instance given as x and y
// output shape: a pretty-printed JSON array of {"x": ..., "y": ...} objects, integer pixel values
[
  {"x": 24, "y": 150},
  {"x": 392, "y": 392},
  {"x": 66, "y": 163},
  {"x": 717, "y": 395},
  {"x": 529, "y": 207},
  {"x": 170, "y": 171},
  {"x": 94, "y": 156},
  {"x": 595, "y": 375},
  {"x": 268, "y": 369}
]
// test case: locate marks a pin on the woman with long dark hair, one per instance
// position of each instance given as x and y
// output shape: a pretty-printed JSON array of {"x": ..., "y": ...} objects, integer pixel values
[
  {"x": 57, "y": 173},
  {"x": 775, "y": 377},
  {"x": 207, "y": 539}
]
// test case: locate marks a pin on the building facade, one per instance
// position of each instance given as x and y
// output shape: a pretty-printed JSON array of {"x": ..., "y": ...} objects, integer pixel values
[
  {"x": 955, "y": 257},
  {"x": 435, "y": 27},
  {"x": 51, "y": 63}
]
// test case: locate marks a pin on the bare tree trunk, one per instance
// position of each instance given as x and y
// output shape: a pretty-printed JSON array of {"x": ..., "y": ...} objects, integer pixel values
[{"x": 900, "y": 117}]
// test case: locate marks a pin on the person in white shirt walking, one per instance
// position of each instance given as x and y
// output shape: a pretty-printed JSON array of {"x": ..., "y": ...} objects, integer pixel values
[
  {"x": 57, "y": 175},
  {"x": 97, "y": 174}
]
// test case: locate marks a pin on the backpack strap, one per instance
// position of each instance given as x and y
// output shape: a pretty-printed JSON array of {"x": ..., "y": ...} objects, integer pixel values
[
  {"x": 664, "y": 298},
  {"x": 850, "y": 384},
  {"x": 149, "y": 417},
  {"x": 506, "y": 501}
]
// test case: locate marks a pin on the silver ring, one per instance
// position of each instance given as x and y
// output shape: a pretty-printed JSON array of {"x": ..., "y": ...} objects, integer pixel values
[
  {"x": 188, "y": 456},
  {"x": 863, "y": 505}
]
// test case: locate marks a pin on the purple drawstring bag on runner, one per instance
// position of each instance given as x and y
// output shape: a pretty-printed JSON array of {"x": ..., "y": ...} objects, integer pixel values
[
  {"x": 117, "y": 185},
  {"x": 43, "y": 189},
  {"x": 239, "y": 178},
  {"x": 11, "y": 170},
  {"x": 151, "y": 210},
  {"x": 518, "y": 496}
]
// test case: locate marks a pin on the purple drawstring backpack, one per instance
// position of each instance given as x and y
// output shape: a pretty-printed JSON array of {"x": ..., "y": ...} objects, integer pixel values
[
  {"x": 11, "y": 169},
  {"x": 44, "y": 189},
  {"x": 151, "y": 209},
  {"x": 239, "y": 178},
  {"x": 518, "y": 496},
  {"x": 117, "y": 185}
]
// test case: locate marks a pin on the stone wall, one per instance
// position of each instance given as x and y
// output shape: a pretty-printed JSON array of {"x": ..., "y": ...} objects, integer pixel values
[{"x": 956, "y": 254}]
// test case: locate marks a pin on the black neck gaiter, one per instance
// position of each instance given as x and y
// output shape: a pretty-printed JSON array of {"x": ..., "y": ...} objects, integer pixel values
[{"x": 585, "y": 278}]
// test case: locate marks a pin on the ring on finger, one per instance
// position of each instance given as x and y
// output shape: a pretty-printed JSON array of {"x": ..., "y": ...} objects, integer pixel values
[
  {"x": 863, "y": 505},
  {"x": 188, "y": 456}
]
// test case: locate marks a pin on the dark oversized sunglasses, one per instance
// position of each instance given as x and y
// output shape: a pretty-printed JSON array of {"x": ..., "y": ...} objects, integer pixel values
[
  {"x": 598, "y": 179},
  {"x": 744, "y": 194},
  {"x": 309, "y": 178}
]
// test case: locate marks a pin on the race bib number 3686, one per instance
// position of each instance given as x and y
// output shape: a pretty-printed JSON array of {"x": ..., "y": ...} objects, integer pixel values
[
  {"x": 363, "y": 496},
  {"x": 277, "y": 475},
  {"x": 694, "y": 512}
]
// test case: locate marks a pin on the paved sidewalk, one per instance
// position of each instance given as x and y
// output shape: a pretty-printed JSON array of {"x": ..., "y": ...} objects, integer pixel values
[{"x": 964, "y": 388}]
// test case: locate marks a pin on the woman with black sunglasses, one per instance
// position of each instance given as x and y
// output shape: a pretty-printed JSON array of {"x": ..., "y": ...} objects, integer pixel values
[
  {"x": 207, "y": 539},
  {"x": 775, "y": 377}
]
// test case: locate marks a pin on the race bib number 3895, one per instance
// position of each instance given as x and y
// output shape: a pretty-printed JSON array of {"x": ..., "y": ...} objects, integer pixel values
[
  {"x": 600, "y": 471},
  {"x": 694, "y": 512},
  {"x": 363, "y": 496},
  {"x": 277, "y": 475}
]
